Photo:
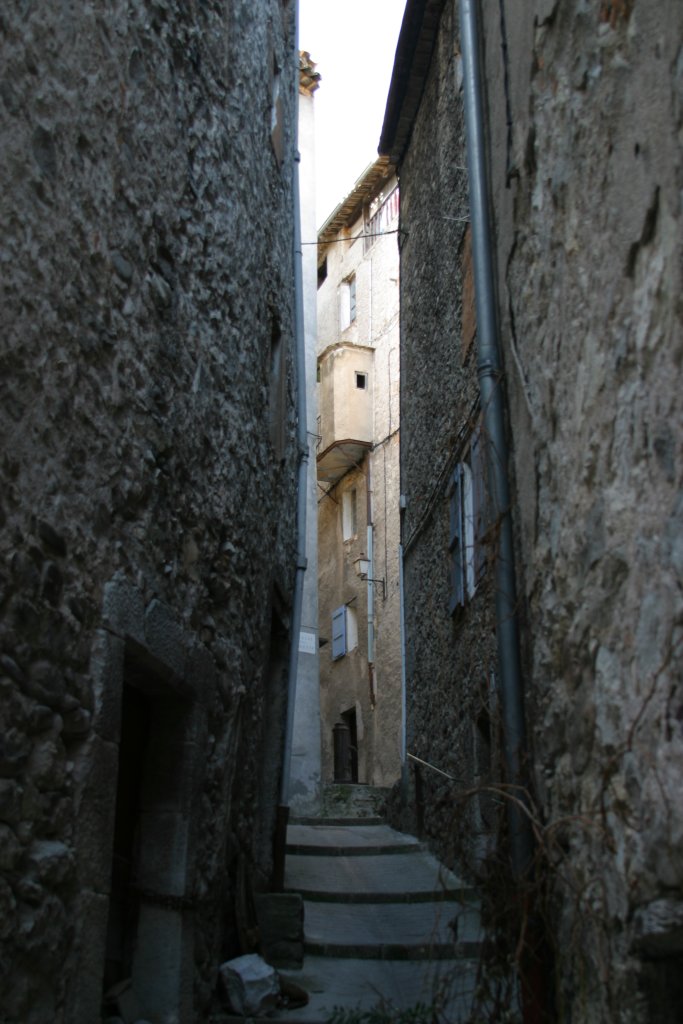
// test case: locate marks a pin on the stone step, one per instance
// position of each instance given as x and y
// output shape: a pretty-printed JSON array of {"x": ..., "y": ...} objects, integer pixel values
[
  {"x": 385, "y": 924},
  {"x": 348, "y": 840},
  {"x": 394, "y": 951},
  {"x": 361, "y": 898},
  {"x": 388, "y": 877},
  {"x": 320, "y": 822},
  {"x": 430, "y": 930}
]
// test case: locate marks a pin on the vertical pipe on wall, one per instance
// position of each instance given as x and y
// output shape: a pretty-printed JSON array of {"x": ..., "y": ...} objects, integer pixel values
[
  {"x": 371, "y": 575},
  {"x": 371, "y": 572},
  {"x": 490, "y": 383},
  {"x": 402, "y": 625},
  {"x": 370, "y": 306},
  {"x": 371, "y": 597}
]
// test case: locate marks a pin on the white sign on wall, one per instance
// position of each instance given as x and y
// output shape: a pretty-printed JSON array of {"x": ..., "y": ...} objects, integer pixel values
[{"x": 307, "y": 642}]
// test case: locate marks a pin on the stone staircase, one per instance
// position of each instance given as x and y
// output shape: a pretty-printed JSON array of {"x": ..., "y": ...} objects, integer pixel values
[{"x": 385, "y": 924}]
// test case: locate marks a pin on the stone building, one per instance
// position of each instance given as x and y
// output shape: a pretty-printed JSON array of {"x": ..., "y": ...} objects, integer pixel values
[
  {"x": 450, "y": 645},
  {"x": 148, "y": 496},
  {"x": 357, "y": 464},
  {"x": 582, "y": 120}
]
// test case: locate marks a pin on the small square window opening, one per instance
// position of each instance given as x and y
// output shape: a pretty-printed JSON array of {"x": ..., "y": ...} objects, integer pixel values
[{"x": 361, "y": 380}]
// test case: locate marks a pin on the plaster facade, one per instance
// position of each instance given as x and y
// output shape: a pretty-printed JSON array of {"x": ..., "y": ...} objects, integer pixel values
[
  {"x": 358, "y": 477},
  {"x": 305, "y": 779},
  {"x": 148, "y": 494},
  {"x": 583, "y": 116}
]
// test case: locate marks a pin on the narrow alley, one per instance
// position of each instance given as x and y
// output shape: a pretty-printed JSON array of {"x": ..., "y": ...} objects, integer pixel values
[{"x": 341, "y": 549}]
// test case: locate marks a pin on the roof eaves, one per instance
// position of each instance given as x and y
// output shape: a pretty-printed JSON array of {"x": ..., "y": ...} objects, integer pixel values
[
  {"x": 364, "y": 190},
  {"x": 416, "y": 42}
]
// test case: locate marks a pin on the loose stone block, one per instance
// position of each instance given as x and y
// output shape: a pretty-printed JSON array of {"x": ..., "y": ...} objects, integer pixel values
[{"x": 251, "y": 985}]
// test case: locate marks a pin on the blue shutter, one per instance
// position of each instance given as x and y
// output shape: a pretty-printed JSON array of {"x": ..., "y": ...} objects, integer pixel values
[
  {"x": 456, "y": 542},
  {"x": 352, "y": 299},
  {"x": 339, "y": 633}
]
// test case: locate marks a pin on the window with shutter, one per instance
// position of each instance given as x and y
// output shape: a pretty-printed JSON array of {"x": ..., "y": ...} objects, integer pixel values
[
  {"x": 339, "y": 633},
  {"x": 349, "y": 514},
  {"x": 456, "y": 540},
  {"x": 469, "y": 537},
  {"x": 479, "y": 500},
  {"x": 347, "y": 303},
  {"x": 383, "y": 211},
  {"x": 467, "y": 509}
]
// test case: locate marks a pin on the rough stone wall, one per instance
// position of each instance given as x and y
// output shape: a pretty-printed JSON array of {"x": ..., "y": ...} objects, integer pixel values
[
  {"x": 449, "y": 659},
  {"x": 587, "y": 204},
  {"x": 147, "y": 440}
]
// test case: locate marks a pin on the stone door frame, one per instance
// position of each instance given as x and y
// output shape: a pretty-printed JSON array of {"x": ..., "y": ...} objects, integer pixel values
[{"x": 182, "y": 674}]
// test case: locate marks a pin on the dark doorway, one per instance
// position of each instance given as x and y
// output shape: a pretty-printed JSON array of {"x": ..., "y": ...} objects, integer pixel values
[
  {"x": 349, "y": 719},
  {"x": 273, "y": 735},
  {"x": 148, "y": 936},
  {"x": 123, "y": 900}
]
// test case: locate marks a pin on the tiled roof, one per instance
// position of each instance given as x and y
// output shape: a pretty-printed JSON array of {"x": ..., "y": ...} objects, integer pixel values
[{"x": 364, "y": 191}]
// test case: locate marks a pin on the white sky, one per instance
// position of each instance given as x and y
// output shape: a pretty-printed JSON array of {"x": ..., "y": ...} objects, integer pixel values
[{"x": 353, "y": 43}]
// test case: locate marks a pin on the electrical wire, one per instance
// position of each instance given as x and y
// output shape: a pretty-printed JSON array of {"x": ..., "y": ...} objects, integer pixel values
[{"x": 336, "y": 241}]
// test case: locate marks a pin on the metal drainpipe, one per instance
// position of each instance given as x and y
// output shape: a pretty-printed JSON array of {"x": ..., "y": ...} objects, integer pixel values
[
  {"x": 371, "y": 597},
  {"x": 404, "y": 748},
  {"x": 491, "y": 390},
  {"x": 302, "y": 484},
  {"x": 371, "y": 575}
]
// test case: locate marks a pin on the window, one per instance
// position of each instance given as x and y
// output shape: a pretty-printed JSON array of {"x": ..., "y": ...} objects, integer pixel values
[
  {"x": 322, "y": 271},
  {"x": 344, "y": 631},
  {"x": 339, "y": 633},
  {"x": 276, "y": 116},
  {"x": 347, "y": 303},
  {"x": 480, "y": 502},
  {"x": 382, "y": 212},
  {"x": 460, "y": 511},
  {"x": 349, "y": 514},
  {"x": 468, "y": 522},
  {"x": 361, "y": 380}
]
